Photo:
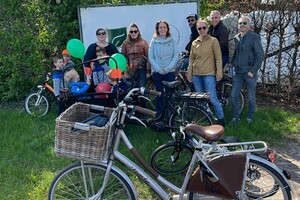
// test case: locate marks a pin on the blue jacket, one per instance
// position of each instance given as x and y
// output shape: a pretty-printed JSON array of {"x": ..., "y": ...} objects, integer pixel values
[
  {"x": 249, "y": 53},
  {"x": 57, "y": 78},
  {"x": 163, "y": 55},
  {"x": 79, "y": 87}
]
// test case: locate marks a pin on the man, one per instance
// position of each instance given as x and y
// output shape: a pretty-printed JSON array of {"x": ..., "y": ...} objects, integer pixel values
[
  {"x": 247, "y": 60},
  {"x": 218, "y": 30},
  {"x": 192, "y": 18}
]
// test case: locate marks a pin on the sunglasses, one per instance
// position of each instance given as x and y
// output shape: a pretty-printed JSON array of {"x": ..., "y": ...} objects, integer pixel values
[
  {"x": 244, "y": 23},
  {"x": 133, "y": 31},
  {"x": 101, "y": 33},
  {"x": 191, "y": 20},
  {"x": 200, "y": 28}
]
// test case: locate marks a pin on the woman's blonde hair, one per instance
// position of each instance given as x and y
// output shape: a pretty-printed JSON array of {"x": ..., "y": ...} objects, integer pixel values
[{"x": 129, "y": 38}]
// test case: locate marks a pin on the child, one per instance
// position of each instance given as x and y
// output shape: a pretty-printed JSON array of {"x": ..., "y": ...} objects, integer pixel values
[
  {"x": 58, "y": 82},
  {"x": 76, "y": 86},
  {"x": 121, "y": 86},
  {"x": 100, "y": 67},
  {"x": 67, "y": 59}
]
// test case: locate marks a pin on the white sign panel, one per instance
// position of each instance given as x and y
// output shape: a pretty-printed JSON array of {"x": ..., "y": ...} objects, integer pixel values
[{"x": 145, "y": 16}]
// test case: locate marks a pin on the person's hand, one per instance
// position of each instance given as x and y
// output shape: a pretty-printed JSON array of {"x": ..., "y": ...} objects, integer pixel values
[
  {"x": 148, "y": 75},
  {"x": 250, "y": 74},
  {"x": 92, "y": 65},
  {"x": 218, "y": 78},
  {"x": 88, "y": 81}
]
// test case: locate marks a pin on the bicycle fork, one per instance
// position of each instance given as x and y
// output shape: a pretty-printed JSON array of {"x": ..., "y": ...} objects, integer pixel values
[{"x": 41, "y": 89}]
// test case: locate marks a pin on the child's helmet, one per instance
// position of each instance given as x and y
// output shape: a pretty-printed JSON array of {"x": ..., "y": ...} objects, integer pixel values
[
  {"x": 65, "y": 52},
  {"x": 103, "y": 87}
]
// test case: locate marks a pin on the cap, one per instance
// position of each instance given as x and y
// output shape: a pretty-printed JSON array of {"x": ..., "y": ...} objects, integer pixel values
[
  {"x": 192, "y": 15},
  {"x": 65, "y": 52}
]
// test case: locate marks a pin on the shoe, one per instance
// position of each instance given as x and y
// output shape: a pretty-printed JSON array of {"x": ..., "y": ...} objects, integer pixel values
[
  {"x": 221, "y": 122},
  {"x": 249, "y": 121},
  {"x": 234, "y": 121}
]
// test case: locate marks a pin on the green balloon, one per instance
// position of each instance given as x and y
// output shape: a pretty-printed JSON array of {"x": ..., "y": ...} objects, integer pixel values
[
  {"x": 119, "y": 61},
  {"x": 76, "y": 48}
]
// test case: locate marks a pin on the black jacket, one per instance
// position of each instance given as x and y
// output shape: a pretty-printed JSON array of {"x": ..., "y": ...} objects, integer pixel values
[
  {"x": 221, "y": 33},
  {"x": 194, "y": 35}
]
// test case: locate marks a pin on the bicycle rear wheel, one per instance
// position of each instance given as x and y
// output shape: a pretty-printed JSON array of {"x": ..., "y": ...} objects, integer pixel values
[
  {"x": 172, "y": 158},
  {"x": 225, "y": 99},
  {"x": 37, "y": 104},
  {"x": 262, "y": 182},
  {"x": 69, "y": 183},
  {"x": 190, "y": 114}
]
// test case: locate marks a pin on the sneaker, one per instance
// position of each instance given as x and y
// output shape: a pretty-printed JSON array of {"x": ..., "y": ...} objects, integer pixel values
[
  {"x": 221, "y": 122},
  {"x": 234, "y": 121},
  {"x": 249, "y": 121}
]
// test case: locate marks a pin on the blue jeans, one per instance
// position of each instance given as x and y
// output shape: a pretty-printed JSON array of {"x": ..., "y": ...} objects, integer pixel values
[
  {"x": 238, "y": 82},
  {"x": 207, "y": 83},
  {"x": 157, "y": 79}
]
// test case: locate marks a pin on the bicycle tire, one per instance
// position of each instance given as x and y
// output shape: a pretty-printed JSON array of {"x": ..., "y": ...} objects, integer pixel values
[
  {"x": 69, "y": 184},
  {"x": 266, "y": 183},
  {"x": 227, "y": 101},
  {"x": 172, "y": 158},
  {"x": 192, "y": 114},
  {"x": 37, "y": 110}
]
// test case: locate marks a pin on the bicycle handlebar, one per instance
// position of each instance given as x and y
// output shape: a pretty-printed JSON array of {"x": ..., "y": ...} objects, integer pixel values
[{"x": 145, "y": 111}]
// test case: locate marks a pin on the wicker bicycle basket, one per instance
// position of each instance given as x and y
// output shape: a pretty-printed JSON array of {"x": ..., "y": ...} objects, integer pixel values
[{"x": 90, "y": 145}]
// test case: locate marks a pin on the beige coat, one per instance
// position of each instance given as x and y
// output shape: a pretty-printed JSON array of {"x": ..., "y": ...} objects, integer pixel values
[{"x": 205, "y": 58}]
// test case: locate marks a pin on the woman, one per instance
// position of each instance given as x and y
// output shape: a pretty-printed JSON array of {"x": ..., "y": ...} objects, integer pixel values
[
  {"x": 90, "y": 54},
  {"x": 205, "y": 66},
  {"x": 136, "y": 50},
  {"x": 163, "y": 56}
]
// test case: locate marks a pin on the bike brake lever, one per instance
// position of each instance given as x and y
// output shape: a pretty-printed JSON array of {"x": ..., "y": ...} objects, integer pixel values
[{"x": 140, "y": 121}]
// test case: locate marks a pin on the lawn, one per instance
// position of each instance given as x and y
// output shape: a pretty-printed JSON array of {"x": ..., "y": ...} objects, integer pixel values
[{"x": 28, "y": 163}]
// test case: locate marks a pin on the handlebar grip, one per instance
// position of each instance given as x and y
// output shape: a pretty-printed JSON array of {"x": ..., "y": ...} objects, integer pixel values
[
  {"x": 152, "y": 92},
  {"x": 145, "y": 111}
]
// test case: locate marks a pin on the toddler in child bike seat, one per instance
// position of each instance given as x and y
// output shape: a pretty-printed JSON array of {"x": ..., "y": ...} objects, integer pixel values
[{"x": 76, "y": 86}]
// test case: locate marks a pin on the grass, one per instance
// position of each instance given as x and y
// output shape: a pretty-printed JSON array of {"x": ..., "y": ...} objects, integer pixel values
[{"x": 28, "y": 163}]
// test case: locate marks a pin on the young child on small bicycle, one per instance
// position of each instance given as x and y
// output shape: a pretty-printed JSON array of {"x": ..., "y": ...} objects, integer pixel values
[
  {"x": 100, "y": 67},
  {"x": 76, "y": 86},
  {"x": 57, "y": 78}
]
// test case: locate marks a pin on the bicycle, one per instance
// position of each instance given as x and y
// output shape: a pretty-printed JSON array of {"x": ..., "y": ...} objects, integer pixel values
[
  {"x": 181, "y": 108},
  {"x": 223, "y": 87},
  {"x": 174, "y": 156},
  {"x": 37, "y": 103},
  {"x": 224, "y": 174}
]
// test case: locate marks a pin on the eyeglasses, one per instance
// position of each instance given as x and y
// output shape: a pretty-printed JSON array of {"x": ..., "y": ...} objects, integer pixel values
[
  {"x": 191, "y": 20},
  {"x": 133, "y": 32},
  {"x": 101, "y": 33},
  {"x": 244, "y": 23},
  {"x": 200, "y": 28}
]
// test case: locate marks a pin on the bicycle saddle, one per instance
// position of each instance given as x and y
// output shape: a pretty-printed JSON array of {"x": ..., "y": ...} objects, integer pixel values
[
  {"x": 172, "y": 84},
  {"x": 211, "y": 133}
]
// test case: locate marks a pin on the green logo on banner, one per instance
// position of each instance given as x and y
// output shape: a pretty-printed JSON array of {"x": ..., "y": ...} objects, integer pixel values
[{"x": 117, "y": 36}]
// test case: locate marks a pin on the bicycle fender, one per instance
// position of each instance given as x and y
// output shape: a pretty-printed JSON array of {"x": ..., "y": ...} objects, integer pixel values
[{"x": 272, "y": 165}]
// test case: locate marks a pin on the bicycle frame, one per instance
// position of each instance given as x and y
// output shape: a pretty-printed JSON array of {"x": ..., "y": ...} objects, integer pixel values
[{"x": 197, "y": 156}]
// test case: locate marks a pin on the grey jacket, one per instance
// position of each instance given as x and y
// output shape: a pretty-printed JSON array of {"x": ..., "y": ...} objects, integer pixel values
[{"x": 249, "y": 53}]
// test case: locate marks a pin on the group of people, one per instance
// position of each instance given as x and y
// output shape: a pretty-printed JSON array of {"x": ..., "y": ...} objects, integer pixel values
[{"x": 208, "y": 54}]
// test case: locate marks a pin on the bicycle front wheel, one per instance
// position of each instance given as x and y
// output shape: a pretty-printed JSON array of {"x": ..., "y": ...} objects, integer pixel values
[
  {"x": 172, "y": 158},
  {"x": 70, "y": 183},
  {"x": 190, "y": 114},
  {"x": 262, "y": 182},
  {"x": 37, "y": 104},
  {"x": 226, "y": 102}
]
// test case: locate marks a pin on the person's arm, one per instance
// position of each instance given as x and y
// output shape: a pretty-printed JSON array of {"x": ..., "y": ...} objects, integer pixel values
[
  {"x": 218, "y": 59},
  {"x": 191, "y": 62},
  {"x": 223, "y": 38},
  {"x": 57, "y": 81},
  {"x": 259, "y": 54},
  {"x": 154, "y": 65},
  {"x": 175, "y": 58},
  {"x": 146, "y": 53},
  {"x": 79, "y": 88}
]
